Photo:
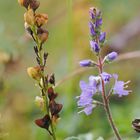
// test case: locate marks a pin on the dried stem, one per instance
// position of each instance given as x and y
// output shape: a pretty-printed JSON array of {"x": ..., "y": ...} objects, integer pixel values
[{"x": 44, "y": 86}]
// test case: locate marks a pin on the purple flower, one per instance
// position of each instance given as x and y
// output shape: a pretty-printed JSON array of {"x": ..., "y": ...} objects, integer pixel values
[
  {"x": 95, "y": 81},
  {"x": 92, "y": 30},
  {"x": 98, "y": 22},
  {"x": 85, "y": 99},
  {"x": 102, "y": 37},
  {"x": 119, "y": 87},
  {"x": 91, "y": 13},
  {"x": 106, "y": 77},
  {"x": 110, "y": 57},
  {"x": 94, "y": 46},
  {"x": 85, "y": 63}
]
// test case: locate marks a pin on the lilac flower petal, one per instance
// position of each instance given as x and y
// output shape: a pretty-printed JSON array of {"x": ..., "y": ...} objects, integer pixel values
[
  {"x": 119, "y": 87},
  {"x": 83, "y": 85},
  {"x": 88, "y": 109}
]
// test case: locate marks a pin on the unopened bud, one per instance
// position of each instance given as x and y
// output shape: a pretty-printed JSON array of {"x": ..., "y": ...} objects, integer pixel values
[
  {"x": 110, "y": 57},
  {"x": 34, "y": 72},
  {"x": 29, "y": 17},
  {"x": 41, "y": 19},
  {"x": 87, "y": 63},
  {"x": 42, "y": 34}
]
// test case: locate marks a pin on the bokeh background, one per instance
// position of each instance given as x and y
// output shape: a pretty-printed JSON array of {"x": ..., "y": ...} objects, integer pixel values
[{"x": 67, "y": 44}]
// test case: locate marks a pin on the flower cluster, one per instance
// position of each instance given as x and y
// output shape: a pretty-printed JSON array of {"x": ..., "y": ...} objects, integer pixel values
[
  {"x": 96, "y": 83},
  {"x": 34, "y": 25}
]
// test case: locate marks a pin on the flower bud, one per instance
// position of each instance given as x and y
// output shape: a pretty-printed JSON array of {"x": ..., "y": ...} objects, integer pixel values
[
  {"x": 94, "y": 46},
  {"x": 110, "y": 57},
  {"x": 92, "y": 29},
  {"x": 24, "y": 3},
  {"x": 34, "y": 72},
  {"x": 98, "y": 23},
  {"x": 87, "y": 63},
  {"x": 39, "y": 102},
  {"x": 42, "y": 34},
  {"x": 34, "y": 4},
  {"x": 29, "y": 17},
  {"x": 41, "y": 19},
  {"x": 92, "y": 12},
  {"x": 102, "y": 37}
]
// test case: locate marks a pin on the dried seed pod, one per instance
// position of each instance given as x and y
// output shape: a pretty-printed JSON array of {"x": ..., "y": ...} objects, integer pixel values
[
  {"x": 34, "y": 4},
  {"x": 24, "y": 3},
  {"x": 55, "y": 108},
  {"x": 42, "y": 34},
  {"x": 51, "y": 94},
  {"x": 44, "y": 122},
  {"x": 41, "y": 19}
]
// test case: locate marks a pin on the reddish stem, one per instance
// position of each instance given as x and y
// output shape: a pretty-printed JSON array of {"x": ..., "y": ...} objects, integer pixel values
[{"x": 106, "y": 103}]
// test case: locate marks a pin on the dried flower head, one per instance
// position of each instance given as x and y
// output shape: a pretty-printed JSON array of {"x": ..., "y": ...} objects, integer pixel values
[
  {"x": 42, "y": 34},
  {"x": 34, "y": 72},
  {"x": 41, "y": 19}
]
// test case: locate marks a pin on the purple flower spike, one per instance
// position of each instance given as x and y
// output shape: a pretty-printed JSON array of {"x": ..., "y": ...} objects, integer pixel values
[
  {"x": 102, "y": 37},
  {"x": 119, "y": 87},
  {"x": 94, "y": 46},
  {"x": 85, "y": 63},
  {"x": 92, "y": 30}
]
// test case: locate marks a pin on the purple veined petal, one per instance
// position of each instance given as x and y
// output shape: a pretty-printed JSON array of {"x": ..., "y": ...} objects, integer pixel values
[
  {"x": 83, "y": 85},
  {"x": 85, "y": 63},
  {"x": 102, "y": 37},
  {"x": 94, "y": 46}
]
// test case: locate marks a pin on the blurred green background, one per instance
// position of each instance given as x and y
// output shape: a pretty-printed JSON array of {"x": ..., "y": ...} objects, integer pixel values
[{"x": 67, "y": 44}]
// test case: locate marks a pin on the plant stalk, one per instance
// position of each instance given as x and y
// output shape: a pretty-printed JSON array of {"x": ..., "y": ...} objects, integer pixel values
[{"x": 106, "y": 103}]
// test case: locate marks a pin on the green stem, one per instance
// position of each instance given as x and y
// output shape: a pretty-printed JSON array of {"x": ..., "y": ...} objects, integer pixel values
[{"x": 45, "y": 87}]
